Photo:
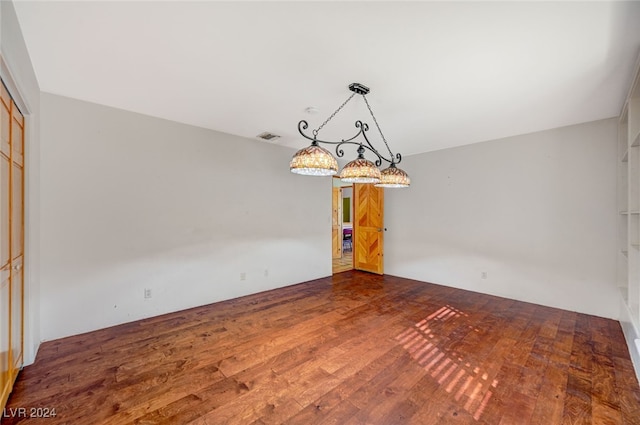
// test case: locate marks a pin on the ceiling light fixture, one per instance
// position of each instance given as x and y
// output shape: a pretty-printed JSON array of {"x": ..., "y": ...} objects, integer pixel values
[{"x": 314, "y": 160}]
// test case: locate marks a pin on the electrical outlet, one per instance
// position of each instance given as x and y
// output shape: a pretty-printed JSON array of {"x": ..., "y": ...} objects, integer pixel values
[
  {"x": 147, "y": 293},
  {"x": 243, "y": 276},
  {"x": 484, "y": 275}
]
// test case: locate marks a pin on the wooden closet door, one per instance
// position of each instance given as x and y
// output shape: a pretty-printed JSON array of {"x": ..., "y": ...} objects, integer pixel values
[
  {"x": 17, "y": 238},
  {"x": 11, "y": 243},
  {"x": 5, "y": 246}
]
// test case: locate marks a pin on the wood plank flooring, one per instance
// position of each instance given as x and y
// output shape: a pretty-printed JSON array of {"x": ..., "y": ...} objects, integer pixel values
[
  {"x": 351, "y": 349},
  {"x": 343, "y": 263}
]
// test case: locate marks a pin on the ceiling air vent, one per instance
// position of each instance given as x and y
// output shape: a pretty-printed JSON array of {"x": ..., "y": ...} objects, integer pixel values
[{"x": 267, "y": 136}]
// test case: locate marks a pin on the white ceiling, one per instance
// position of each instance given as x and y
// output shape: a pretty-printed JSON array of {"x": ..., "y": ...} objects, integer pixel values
[{"x": 441, "y": 74}]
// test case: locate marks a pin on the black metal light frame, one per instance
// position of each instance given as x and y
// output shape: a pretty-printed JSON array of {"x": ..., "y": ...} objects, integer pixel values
[{"x": 362, "y": 127}]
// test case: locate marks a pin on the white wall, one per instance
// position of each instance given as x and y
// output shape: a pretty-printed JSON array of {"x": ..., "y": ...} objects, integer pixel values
[
  {"x": 132, "y": 202},
  {"x": 536, "y": 212},
  {"x": 17, "y": 73}
]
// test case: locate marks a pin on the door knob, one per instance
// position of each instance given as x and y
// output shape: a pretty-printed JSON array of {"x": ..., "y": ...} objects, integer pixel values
[{"x": 17, "y": 267}]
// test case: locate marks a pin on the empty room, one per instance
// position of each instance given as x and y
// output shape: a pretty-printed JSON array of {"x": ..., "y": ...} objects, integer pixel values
[{"x": 330, "y": 212}]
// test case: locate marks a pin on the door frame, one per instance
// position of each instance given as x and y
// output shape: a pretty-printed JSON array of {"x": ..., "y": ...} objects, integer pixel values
[
  {"x": 355, "y": 204},
  {"x": 21, "y": 96},
  {"x": 341, "y": 187}
]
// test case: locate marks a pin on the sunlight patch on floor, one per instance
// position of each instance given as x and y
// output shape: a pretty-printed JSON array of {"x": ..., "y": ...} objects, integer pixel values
[{"x": 448, "y": 368}]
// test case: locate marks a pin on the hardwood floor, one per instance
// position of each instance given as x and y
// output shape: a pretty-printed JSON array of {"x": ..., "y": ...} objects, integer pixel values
[
  {"x": 344, "y": 263},
  {"x": 355, "y": 348}
]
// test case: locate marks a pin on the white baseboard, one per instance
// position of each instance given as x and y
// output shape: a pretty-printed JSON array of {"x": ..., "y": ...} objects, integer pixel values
[{"x": 631, "y": 335}]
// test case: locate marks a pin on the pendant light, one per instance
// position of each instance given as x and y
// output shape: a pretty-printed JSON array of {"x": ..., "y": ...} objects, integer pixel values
[
  {"x": 360, "y": 170},
  {"x": 393, "y": 177},
  {"x": 314, "y": 160},
  {"x": 317, "y": 161}
]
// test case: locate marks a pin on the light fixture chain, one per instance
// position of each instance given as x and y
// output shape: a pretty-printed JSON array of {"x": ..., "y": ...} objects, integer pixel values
[
  {"x": 378, "y": 125},
  {"x": 317, "y": 130}
]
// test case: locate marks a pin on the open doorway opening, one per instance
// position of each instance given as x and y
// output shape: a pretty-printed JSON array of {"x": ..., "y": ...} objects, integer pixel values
[{"x": 342, "y": 226}]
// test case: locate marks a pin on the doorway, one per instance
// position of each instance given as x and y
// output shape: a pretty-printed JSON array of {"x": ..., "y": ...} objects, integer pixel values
[
  {"x": 357, "y": 227},
  {"x": 342, "y": 226}
]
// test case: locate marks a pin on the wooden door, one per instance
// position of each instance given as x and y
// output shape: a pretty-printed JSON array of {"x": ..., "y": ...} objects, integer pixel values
[
  {"x": 336, "y": 224},
  {"x": 5, "y": 247},
  {"x": 368, "y": 226},
  {"x": 11, "y": 243},
  {"x": 17, "y": 238}
]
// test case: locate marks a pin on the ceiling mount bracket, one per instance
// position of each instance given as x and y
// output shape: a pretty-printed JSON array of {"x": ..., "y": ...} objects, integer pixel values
[{"x": 359, "y": 88}]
